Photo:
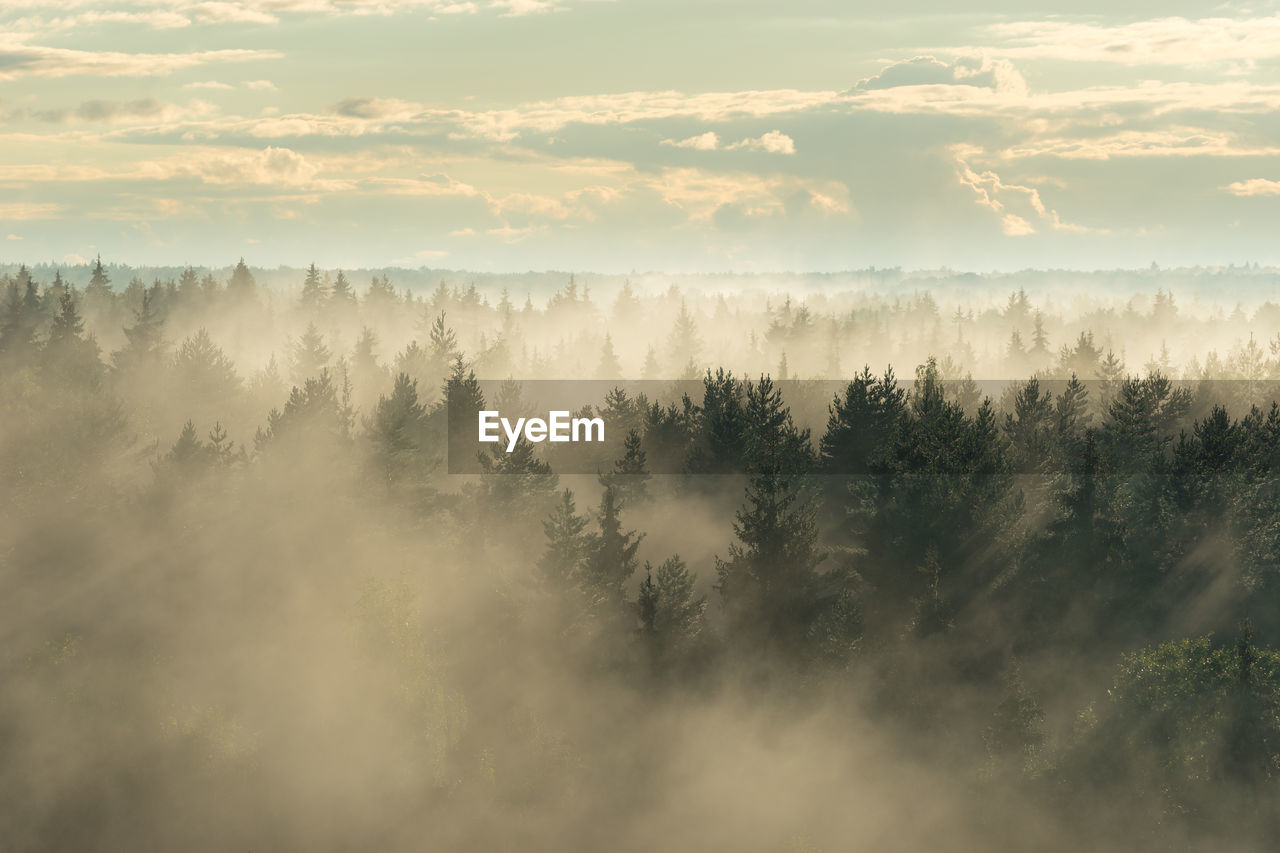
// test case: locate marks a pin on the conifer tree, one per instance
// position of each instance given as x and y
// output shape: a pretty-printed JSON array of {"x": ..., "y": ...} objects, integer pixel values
[
  {"x": 629, "y": 477},
  {"x": 241, "y": 283},
  {"x": 397, "y": 429},
  {"x": 567, "y": 539},
  {"x": 611, "y": 554},
  {"x": 766, "y": 582},
  {"x": 310, "y": 355},
  {"x": 314, "y": 292},
  {"x": 342, "y": 293},
  {"x": 670, "y": 610},
  {"x": 203, "y": 368},
  {"x": 463, "y": 400},
  {"x": 609, "y": 367},
  {"x": 145, "y": 344},
  {"x": 684, "y": 346}
]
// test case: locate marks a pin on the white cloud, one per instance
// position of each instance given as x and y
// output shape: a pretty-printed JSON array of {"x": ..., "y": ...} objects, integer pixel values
[
  {"x": 992, "y": 192},
  {"x": 773, "y": 142},
  {"x": 15, "y": 237},
  {"x": 207, "y": 84},
  {"x": 260, "y": 84},
  {"x": 1254, "y": 186},
  {"x": 516, "y": 8},
  {"x": 75, "y": 260},
  {"x": 703, "y": 142}
]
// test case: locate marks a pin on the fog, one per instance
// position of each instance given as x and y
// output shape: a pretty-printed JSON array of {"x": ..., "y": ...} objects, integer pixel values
[{"x": 247, "y": 606}]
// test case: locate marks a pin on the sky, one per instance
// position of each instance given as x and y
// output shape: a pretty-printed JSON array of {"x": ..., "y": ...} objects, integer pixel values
[{"x": 619, "y": 135}]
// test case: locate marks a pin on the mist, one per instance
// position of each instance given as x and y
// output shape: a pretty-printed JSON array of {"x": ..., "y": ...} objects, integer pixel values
[{"x": 879, "y": 560}]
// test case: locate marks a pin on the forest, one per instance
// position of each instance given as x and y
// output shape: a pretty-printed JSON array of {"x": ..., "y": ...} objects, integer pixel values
[{"x": 888, "y": 562}]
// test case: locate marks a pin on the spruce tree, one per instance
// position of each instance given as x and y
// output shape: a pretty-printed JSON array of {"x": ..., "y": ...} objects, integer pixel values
[
  {"x": 629, "y": 477},
  {"x": 611, "y": 554},
  {"x": 567, "y": 538},
  {"x": 314, "y": 293},
  {"x": 310, "y": 355},
  {"x": 241, "y": 283}
]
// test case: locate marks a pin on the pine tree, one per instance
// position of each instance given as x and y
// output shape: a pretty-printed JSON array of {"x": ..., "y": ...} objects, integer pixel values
[
  {"x": 861, "y": 424},
  {"x": 766, "y": 582},
  {"x": 241, "y": 283},
  {"x": 442, "y": 345},
  {"x": 204, "y": 369},
  {"x": 98, "y": 295},
  {"x": 626, "y": 307},
  {"x": 609, "y": 367},
  {"x": 70, "y": 356},
  {"x": 463, "y": 401},
  {"x": 17, "y": 332},
  {"x": 611, "y": 554},
  {"x": 567, "y": 539},
  {"x": 651, "y": 370},
  {"x": 669, "y": 609},
  {"x": 1039, "y": 341},
  {"x": 720, "y": 446},
  {"x": 629, "y": 477},
  {"x": 683, "y": 344},
  {"x": 397, "y": 429},
  {"x": 342, "y": 293},
  {"x": 310, "y": 355},
  {"x": 145, "y": 344},
  {"x": 380, "y": 294},
  {"x": 314, "y": 293},
  {"x": 516, "y": 484},
  {"x": 368, "y": 375},
  {"x": 188, "y": 285}
]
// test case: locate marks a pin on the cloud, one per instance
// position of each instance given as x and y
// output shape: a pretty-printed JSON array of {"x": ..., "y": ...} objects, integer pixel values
[
  {"x": 702, "y": 194},
  {"x": 207, "y": 84},
  {"x": 1161, "y": 41},
  {"x": 992, "y": 192},
  {"x": 375, "y": 108},
  {"x": 15, "y": 237},
  {"x": 704, "y": 142},
  {"x": 917, "y": 71},
  {"x": 21, "y": 211},
  {"x": 978, "y": 71},
  {"x": 75, "y": 260},
  {"x": 232, "y": 13},
  {"x": 630, "y": 107},
  {"x": 102, "y": 111},
  {"x": 1174, "y": 141},
  {"x": 260, "y": 84},
  {"x": 516, "y": 8},
  {"x": 1254, "y": 186},
  {"x": 773, "y": 142},
  {"x": 280, "y": 166},
  {"x": 18, "y": 59},
  {"x": 157, "y": 19},
  {"x": 423, "y": 255}
]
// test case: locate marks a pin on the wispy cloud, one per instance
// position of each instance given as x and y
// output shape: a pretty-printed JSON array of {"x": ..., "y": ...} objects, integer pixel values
[
  {"x": 19, "y": 59},
  {"x": 1017, "y": 205},
  {"x": 1162, "y": 41}
]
